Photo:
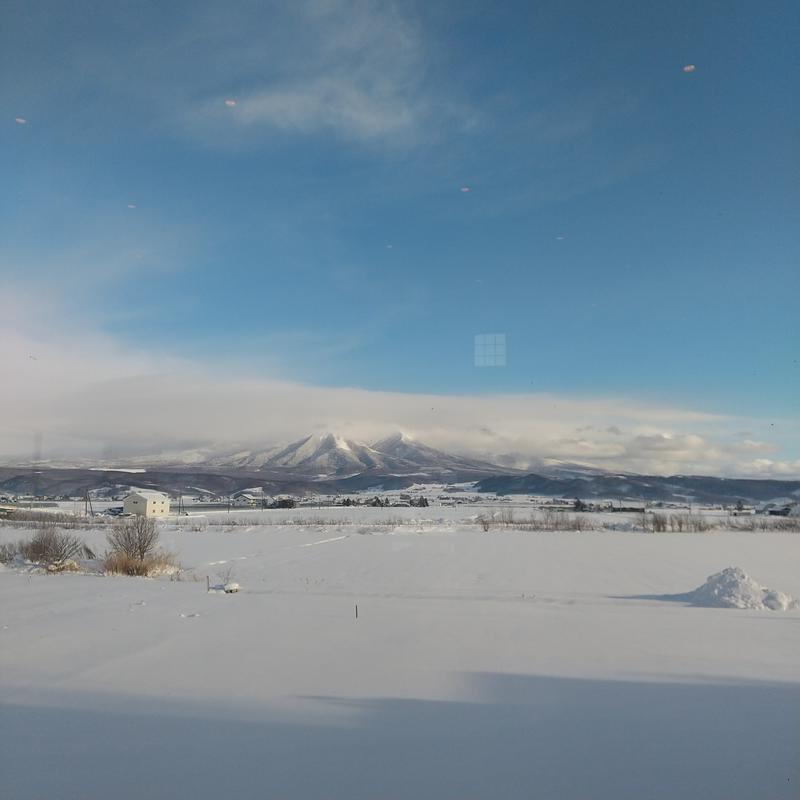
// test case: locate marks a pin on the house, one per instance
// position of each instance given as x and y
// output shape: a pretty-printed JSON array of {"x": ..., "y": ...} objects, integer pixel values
[
  {"x": 287, "y": 501},
  {"x": 146, "y": 503},
  {"x": 630, "y": 508},
  {"x": 791, "y": 509},
  {"x": 253, "y": 498},
  {"x": 246, "y": 499}
]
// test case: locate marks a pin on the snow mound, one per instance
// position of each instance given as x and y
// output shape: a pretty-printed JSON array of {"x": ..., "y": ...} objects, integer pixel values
[{"x": 734, "y": 588}]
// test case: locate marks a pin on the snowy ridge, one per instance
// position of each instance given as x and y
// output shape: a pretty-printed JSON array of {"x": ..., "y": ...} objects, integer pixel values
[
  {"x": 390, "y": 462},
  {"x": 328, "y": 455},
  {"x": 325, "y": 453}
]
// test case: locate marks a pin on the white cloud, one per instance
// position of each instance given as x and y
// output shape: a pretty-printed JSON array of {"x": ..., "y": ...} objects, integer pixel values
[
  {"x": 228, "y": 75},
  {"x": 88, "y": 395},
  {"x": 772, "y": 469},
  {"x": 339, "y": 104},
  {"x": 360, "y": 75}
]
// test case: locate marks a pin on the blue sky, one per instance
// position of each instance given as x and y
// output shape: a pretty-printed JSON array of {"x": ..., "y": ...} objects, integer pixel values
[{"x": 630, "y": 226}]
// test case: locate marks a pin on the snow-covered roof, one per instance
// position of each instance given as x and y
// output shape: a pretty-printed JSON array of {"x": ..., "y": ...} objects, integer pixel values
[
  {"x": 254, "y": 492},
  {"x": 147, "y": 494}
]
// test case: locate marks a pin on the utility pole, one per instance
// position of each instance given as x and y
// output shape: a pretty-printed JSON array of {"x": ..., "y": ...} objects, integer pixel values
[{"x": 37, "y": 457}]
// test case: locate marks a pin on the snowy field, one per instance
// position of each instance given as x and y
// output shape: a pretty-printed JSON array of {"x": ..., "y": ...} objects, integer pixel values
[{"x": 481, "y": 665}]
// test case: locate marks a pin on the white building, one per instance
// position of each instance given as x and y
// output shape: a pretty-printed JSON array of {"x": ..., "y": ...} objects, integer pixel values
[
  {"x": 146, "y": 504},
  {"x": 252, "y": 498}
]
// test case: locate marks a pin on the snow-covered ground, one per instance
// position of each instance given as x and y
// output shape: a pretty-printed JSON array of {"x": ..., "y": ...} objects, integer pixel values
[{"x": 481, "y": 665}]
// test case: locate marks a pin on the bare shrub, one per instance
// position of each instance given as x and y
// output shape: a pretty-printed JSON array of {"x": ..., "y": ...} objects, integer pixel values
[
  {"x": 8, "y": 552},
  {"x": 119, "y": 563},
  {"x": 225, "y": 574},
  {"x": 784, "y": 524},
  {"x": 394, "y": 522},
  {"x": 248, "y": 520},
  {"x": 548, "y": 520},
  {"x": 27, "y": 518},
  {"x": 135, "y": 537},
  {"x": 554, "y": 521},
  {"x": 51, "y": 546},
  {"x": 507, "y": 516},
  {"x": 327, "y": 522},
  {"x": 226, "y": 521},
  {"x": 700, "y": 523},
  {"x": 790, "y": 524},
  {"x": 195, "y": 524},
  {"x": 133, "y": 544},
  {"x": 659, "y": 522},
  {"x": 744, "y": 523},
  {"x": 689, "y": 523}
]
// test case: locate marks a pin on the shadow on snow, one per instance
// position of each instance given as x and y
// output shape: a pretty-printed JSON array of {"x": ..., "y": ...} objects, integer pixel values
[{"x": 521, "y": 737}]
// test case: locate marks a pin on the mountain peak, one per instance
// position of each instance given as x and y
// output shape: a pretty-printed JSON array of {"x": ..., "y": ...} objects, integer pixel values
[
  {"x": 324, "y": 454},
  {"x": 393, "y": 440}
]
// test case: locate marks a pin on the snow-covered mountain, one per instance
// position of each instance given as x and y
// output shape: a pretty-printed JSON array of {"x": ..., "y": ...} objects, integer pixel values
[
  {"x": 329, "y": 462},
  {"x": 323, "y": 455},
  {"x": 240, "y": 459},
  {"x": 404, "y": 451},
  {"x": 327, "y": 455},
  {"x": 318, "y": 456}
]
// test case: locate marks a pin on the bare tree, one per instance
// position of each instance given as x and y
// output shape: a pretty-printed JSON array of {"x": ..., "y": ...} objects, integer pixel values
[
  {"x": 51, "y": 546},
  {"x": 135, "y": 537},
  {"x": 659, "y": 522}
]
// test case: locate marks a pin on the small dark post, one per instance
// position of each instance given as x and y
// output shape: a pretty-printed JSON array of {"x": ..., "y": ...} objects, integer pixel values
[{"x": 356, "y": 610}]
